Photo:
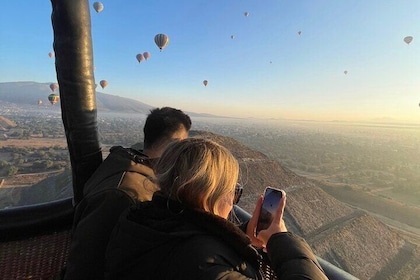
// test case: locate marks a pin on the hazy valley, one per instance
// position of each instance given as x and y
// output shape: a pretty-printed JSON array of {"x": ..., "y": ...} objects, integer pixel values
[{"x": 340, "y": 177}]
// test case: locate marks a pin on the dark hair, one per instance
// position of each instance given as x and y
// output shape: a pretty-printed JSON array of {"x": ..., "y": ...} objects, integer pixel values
[{"x": 162, "y": 122}]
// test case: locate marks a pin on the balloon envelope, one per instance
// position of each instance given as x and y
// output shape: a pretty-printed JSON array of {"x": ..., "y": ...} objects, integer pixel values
[
  {"x": 408, "y": 39},
  {"x": 299, "y": 32},
  {"x": 103, "y": 83},
  {"x": 146, "y": 55},
  {"x": 140, "y": 57},
  {"x": 53, "y": 87},
  {"x": 51, "y": 54},
  {"x": 345, "y": 72},
  {"x": 205, "y": 82},
  {"x": 53, "y": 98},
  {"x": 232, "y": 37},
  {"x": 161, "y": 40},
  {"x": 246, "y": 14},
  {"x": 98, "y": 6}
]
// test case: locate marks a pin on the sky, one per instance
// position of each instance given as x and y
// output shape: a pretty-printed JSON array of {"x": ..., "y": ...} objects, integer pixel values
[{"x": 267, "y": 71}]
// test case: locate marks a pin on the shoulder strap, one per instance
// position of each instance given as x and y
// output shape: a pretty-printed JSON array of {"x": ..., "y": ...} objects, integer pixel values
[{"x": 135, "y": 155}]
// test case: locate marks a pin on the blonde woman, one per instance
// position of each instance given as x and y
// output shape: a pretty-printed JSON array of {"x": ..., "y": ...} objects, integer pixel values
[{"x": 184, "y": 232}]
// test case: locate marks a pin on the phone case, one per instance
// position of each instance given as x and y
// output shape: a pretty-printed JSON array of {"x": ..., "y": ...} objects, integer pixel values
[{"x": 272, "y": 197}]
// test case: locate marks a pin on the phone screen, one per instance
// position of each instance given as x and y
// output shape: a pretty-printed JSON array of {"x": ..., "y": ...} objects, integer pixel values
[{"x": 270, "y": 204}]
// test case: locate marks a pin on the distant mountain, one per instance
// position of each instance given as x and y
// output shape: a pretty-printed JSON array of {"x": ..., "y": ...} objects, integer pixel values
[{"x": 30, "y": 92}]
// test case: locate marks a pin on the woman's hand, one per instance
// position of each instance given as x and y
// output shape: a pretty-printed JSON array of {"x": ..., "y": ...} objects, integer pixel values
[
  {"x": 252, "y": 224},
  {"x": 276, "y": 226}
]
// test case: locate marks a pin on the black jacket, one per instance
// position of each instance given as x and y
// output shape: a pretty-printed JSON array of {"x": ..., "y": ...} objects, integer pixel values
[
  {"x": 122, "y": 179},
  {"x": 161, "y": 240}
]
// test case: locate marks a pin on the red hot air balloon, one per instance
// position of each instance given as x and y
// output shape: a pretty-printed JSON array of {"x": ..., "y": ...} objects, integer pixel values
[
  {"x": 53, "y": 86},
  {"x": 146, "y": 55}
]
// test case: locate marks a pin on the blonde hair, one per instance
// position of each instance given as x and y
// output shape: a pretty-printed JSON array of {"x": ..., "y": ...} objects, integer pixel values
[{"x": 197, "y": 172}]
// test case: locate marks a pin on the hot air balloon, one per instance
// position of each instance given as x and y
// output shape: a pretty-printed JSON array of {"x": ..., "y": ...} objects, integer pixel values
[
  {"x": 53, "y": 98},
  {"x": 205, "y": 82},
  {"x": 161, "y": 41},
  {"x": 53, "y": 86},
  {"x": 51, "y": 54},
  {"x": 345, "y": 72},
  {"x": 140, "y": 57},
  {"x": 232, "y": 37},
  {"x": 98, "y": 6},
  {"x": 246, "y": 14},
  {"x": 103, "y": 83},
  {"x": 299, "y": 32},
  {"x": 146, "y": 55},
  {"x": 408, "y": 39}
]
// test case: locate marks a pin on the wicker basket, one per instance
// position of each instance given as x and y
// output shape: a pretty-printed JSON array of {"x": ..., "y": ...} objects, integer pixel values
[{"x": 38, "y": 257}]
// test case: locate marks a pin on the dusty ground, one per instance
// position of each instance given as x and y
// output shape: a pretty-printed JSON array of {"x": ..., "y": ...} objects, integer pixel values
[
  {"x": 25, "y": 180},
  {"x": 34, "y": 142},
  {"x": 22, "y": 180}
]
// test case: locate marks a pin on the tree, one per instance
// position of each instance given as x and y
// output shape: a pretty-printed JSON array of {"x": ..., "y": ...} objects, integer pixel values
[{"x": 12, "y": 170}]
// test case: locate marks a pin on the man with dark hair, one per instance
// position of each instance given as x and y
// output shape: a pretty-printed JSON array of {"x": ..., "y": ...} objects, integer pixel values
[
  {"x": 163, "y": 126},
  {"x": 125, "y": 176}
]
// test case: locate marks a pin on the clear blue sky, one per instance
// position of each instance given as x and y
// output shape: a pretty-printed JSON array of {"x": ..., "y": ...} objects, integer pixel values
[{"x": 268, "y": 70}]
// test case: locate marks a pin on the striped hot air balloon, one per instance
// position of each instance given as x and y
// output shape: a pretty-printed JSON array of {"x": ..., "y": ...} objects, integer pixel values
[
  {"x": 53, "y": 98},
  {"x": 161, "y": 41}
]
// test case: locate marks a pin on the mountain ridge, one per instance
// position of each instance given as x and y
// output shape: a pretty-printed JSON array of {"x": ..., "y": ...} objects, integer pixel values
[{"x": 30, "y": 92}]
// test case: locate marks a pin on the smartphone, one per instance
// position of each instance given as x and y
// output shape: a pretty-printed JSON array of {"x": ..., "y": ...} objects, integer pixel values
[{"x": 269, "y": 206}]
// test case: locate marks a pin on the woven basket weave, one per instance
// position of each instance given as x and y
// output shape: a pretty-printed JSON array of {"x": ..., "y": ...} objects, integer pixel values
[{"x": 39, "y": 257}]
